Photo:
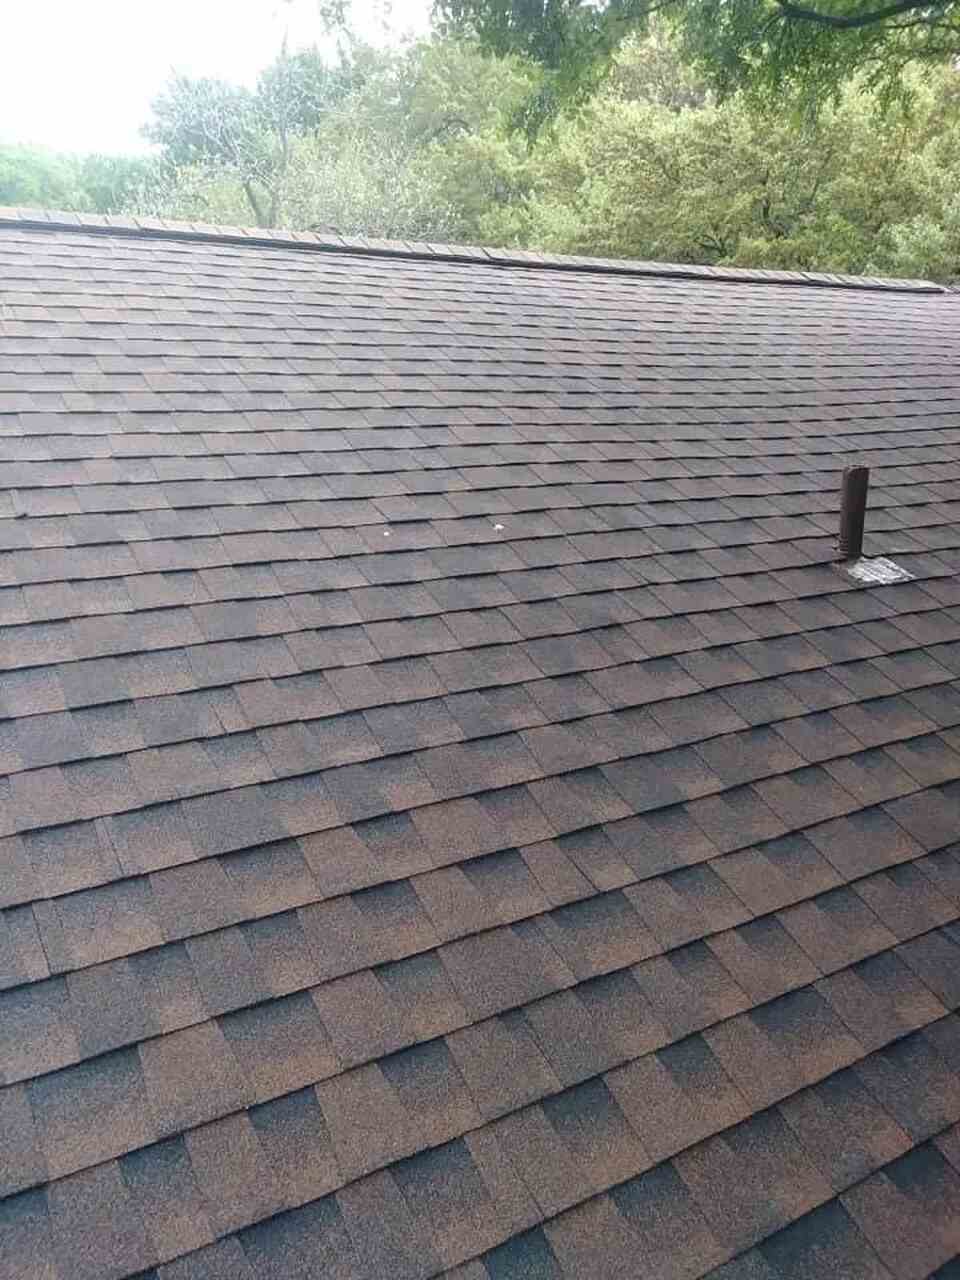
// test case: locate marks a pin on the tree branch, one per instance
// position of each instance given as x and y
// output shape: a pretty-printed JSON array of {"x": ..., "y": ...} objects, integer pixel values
[
  {"x": 928, "y": 24},
  {"x": 250, "y": 192},
  {"x": 853, "y": 21}
]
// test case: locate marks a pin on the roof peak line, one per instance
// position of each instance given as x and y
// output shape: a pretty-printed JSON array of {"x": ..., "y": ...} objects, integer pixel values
[{"x": 422, "y": 251}]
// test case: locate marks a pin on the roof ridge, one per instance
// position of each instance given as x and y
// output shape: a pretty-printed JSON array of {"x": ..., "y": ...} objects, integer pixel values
[{"x": 329, "y": 242}]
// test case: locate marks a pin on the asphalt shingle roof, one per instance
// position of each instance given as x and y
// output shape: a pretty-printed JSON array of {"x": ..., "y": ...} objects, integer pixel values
[{"x": 455, "y": 817}]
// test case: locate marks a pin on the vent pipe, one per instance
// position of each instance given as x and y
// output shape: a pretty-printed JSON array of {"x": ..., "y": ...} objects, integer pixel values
[{"x": 853, "y": 509}]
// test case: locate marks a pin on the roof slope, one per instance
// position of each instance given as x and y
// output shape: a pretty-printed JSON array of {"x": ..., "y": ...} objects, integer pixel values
[{"x": 456, "y": 819}]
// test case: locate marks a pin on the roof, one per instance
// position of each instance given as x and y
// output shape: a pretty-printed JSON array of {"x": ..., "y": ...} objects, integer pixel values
[{"x": 458, "y": 819}]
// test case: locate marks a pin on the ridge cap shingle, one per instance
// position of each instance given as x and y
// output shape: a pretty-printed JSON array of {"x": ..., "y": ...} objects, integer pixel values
[{"x": 333, "y": 243}]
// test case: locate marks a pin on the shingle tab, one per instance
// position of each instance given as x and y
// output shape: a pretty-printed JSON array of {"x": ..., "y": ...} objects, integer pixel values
[
  {"x": 918, "y": 1197},
  {"x": 752, "y": 1181},
  {"x": 91, "y": 1111},
  {"x": 97, "y": 1230},
  {"x": 190, "y": 1076},
  {"x": 676, "y": 1097}
]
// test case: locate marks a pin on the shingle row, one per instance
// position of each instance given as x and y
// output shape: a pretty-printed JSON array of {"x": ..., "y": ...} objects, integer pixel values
[{"x": 847, "y": 1129}]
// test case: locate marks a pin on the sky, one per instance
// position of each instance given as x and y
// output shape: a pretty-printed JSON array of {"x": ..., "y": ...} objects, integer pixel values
[{"x": 80, "y": 76}]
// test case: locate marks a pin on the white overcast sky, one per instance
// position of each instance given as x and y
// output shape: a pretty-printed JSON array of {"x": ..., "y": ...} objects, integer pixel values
[{"x": 78, "y": 75}]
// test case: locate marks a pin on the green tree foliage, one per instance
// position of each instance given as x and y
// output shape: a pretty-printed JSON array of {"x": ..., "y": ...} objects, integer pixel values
[
  {"x": 767, "y": 47},
  {"x": 113, "y": 184},
  {"x": 225, "y": 131},
  {"x": 855, "y": 188},
  {"x": 34, "y": 177},
  {"x": 413, "y": 143},
  {"x": 37, "y": 178}
]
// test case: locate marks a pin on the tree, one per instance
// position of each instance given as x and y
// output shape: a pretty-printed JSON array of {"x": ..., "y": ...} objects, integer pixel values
[
  {"x": 226, "y": 130},
  {"x": 856, "y": 188},
  {"x": 446, "y": 125},
  {"x": 763, "y": 46},
  {"x": 35, "y": 177},
  {"x": 113, "y": 184},
  {"x": 409, "y": 143}
]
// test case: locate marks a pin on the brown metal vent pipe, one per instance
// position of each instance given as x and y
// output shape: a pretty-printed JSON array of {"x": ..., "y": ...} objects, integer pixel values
[{"x": 853, "y": 509}]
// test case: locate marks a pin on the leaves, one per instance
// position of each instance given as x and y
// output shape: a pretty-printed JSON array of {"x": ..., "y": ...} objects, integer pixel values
[
  {"x": 733, "y": 183},
  {"x": 34, "y": 177},
  {"x": 764, "y": 47},
  {"x": 414, "y": 143}
]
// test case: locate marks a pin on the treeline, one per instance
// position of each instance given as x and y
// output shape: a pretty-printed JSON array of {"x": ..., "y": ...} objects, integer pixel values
[{"x": 433, "y": 142}]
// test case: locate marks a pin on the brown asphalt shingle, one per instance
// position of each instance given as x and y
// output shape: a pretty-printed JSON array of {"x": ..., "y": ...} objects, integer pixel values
[{"x": 455, "y": 818}]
